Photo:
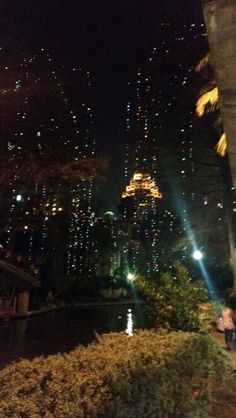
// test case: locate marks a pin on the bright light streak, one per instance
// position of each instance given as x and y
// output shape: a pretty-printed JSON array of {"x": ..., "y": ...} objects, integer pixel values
[
  {"x": 197, "y": 255},
  {"x": 186, "y": 223}
]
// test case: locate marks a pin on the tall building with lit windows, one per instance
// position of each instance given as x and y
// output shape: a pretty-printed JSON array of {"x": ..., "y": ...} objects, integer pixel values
[
  {"x": 142, "y": 233},
  {"x": 46, "y": 112},
  {"x": 161, "y": 110},
  {"x": 161, "y": 136}
]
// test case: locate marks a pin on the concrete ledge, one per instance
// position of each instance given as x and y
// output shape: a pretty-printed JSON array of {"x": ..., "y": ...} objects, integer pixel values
[{"x": 53, "y": 308}]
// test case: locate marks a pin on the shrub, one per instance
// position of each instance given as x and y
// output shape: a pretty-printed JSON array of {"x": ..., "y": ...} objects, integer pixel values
[
  {"x": 174, "y": 299},
  {"x": 150, "y": 374}
]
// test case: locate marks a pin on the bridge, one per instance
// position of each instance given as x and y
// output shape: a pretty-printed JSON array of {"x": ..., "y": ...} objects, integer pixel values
[
  {"x": 20, "y": 273},
  {"x": 18, "y": 302}
]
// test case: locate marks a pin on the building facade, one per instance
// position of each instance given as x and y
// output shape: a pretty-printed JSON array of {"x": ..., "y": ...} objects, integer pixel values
[{"x": 46, "y": 117}]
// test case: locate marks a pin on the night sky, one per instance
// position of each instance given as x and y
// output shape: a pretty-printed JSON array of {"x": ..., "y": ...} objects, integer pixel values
[{"x": 109, "y": 37}]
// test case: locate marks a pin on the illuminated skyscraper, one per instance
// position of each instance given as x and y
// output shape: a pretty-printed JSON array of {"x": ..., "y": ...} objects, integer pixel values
[
  {"x": 46, "y": 113},
  {"x": 159, "y": 124},
  {"x": 142, "y": 244}
]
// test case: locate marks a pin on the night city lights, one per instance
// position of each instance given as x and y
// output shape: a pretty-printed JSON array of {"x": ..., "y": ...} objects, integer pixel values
[{"x": 118, "y": 209}]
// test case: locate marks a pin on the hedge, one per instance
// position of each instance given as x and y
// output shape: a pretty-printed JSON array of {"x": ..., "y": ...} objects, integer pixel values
[{"x": 150, "y": 374}]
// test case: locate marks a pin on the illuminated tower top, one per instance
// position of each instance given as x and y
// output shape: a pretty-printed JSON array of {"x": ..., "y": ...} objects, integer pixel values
[{"x": 142, "y": 183}]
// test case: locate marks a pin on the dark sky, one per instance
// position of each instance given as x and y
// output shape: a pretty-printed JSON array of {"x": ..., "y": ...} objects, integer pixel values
[{"x": 109, "y": 37}]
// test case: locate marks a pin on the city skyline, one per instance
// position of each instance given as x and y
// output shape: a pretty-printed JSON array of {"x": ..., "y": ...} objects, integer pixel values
[
  {"x": 117, "y": 207},
  {"x": 143, "y": 119},
  {"x": 111, "y": 40}
]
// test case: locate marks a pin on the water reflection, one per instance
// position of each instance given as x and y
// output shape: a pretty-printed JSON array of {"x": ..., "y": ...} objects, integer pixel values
[
  {"x": 62, "y": 330},
  {"x": 130, "y": 324}
]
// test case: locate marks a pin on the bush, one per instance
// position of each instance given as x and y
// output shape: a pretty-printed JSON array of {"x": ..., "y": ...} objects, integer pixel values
[
  {"x": 174, "y": 299},
  {"x": 150, "y": 374}
]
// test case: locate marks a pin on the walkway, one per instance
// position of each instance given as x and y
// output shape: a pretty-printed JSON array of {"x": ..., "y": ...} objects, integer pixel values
[{"x": 219, "y": 336}]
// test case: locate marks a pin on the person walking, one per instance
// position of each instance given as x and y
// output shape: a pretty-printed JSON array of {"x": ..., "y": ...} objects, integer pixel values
[{"x": 228, "y": 321}]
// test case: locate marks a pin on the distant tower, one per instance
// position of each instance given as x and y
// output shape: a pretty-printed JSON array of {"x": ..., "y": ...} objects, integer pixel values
[
  {"x": 140, "y": 202},
  {"x": 141, "y": 198},
  {"x": 107, "y": 238},
  {"x": 159, "y": 117},
  {"x": 160, "y": 110}
]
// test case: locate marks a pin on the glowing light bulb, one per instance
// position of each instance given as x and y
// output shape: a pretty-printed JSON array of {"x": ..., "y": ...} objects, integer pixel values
[{"x": 197, "y": 255}]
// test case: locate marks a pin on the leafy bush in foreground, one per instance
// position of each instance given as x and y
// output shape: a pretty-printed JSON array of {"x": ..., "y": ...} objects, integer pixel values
[{"x": 153, "y": 375}]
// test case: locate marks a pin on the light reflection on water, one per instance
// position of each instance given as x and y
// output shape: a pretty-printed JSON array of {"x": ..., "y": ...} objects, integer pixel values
[
  {"x": 130, "y": 323},
  {"x": 63, "y": 330}
]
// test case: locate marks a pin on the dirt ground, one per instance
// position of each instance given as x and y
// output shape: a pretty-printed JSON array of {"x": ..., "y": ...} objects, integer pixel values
[{"x": 224, "y": 400}]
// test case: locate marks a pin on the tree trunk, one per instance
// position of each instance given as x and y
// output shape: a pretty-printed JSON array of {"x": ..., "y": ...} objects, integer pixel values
[{"x": 220, "y": 19}]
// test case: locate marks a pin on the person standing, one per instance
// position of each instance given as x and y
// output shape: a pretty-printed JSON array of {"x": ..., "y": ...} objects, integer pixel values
[{"x": 228, "y": 321}]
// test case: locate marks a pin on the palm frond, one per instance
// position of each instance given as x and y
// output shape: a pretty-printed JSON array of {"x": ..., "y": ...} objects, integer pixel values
[
  {"x": 221, "y": 145},
  {"x": 207, "y": 102}
]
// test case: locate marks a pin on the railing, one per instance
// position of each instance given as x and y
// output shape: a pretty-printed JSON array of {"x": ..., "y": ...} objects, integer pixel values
[{"x": 4, "y": 265}]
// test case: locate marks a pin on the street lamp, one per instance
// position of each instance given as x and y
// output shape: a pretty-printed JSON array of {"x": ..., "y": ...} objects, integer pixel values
[
  {"x": 197, "y": 255},
  {"x": 130, "y": 277}
]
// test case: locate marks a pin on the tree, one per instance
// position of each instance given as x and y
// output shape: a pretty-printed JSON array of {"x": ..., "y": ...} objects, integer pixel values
[
  {"x": 173, "y": 299},
  {"x": 58, "y": 174},
  {"x": 220, "y": 16},
  {"x": 53, "y": 172},
  {"x": 208, "y": 101}
]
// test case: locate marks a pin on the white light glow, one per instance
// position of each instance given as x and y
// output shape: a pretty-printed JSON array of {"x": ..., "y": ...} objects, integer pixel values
[
  {"x": 130, "y": 276},
  {"x": 130, "y": 324},
  {"x": 197, "y": 255}
]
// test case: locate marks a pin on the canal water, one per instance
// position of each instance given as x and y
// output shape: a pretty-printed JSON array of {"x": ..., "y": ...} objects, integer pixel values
[{"x": 62, "y": 330}]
